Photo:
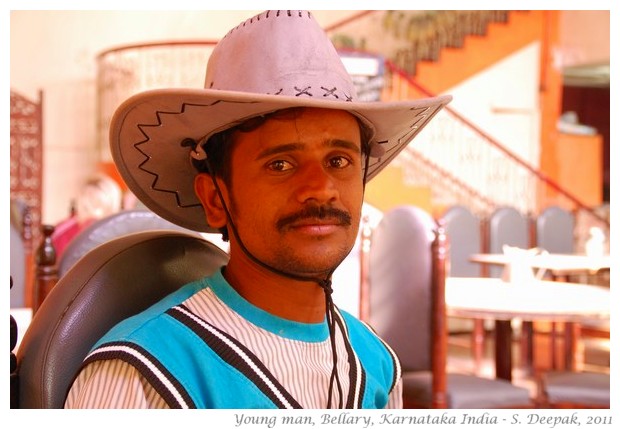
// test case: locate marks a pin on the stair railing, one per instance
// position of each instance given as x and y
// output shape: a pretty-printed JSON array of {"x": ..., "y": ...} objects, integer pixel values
[{"x": 498, "y": 176}]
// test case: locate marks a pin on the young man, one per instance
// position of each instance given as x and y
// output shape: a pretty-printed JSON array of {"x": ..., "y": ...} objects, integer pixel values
[{"x": 274, "y": 153}]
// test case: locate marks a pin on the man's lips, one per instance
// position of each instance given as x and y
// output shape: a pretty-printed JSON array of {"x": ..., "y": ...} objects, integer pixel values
[
  {"x": 316, "y": 222},
  {"x": 316, "y": 226}
]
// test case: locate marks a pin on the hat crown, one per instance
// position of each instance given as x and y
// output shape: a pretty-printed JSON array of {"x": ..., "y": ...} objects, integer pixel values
[{"x": 279, "y": 52}]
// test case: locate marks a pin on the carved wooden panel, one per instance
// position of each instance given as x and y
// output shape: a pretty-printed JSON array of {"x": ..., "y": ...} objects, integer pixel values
[{"x": 27, "y": 159}]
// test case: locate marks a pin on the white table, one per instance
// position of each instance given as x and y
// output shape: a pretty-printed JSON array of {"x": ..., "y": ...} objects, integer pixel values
[
  {"x": 492, "y": 298},
  {"x": 556, "y": 263}
]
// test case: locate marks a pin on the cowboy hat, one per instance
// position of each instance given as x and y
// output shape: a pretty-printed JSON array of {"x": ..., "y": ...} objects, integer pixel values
[{"x": 273, "y": 61}]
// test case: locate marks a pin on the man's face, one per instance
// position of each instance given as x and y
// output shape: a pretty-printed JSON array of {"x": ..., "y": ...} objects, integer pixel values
[{"x": 297, "y": 191}]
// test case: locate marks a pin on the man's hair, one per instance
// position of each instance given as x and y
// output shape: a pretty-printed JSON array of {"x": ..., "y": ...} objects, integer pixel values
[{"x": 218, "y": 147}]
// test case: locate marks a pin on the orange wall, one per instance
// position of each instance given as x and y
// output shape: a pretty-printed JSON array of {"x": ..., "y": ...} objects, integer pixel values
[
  {"x": 480, "y": 52},
  {"x": 577, "y": 167},
  {"x": 389, "y": 190}
]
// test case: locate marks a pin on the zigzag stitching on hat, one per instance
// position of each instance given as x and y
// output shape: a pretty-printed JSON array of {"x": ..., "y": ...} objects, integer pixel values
[{"x": 147, "y": 139}]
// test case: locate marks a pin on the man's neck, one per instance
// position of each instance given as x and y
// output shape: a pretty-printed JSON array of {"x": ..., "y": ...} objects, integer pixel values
[{"x": 300, "y": 301}]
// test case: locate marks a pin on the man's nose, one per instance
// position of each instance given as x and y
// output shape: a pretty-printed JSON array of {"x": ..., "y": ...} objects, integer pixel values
[{"x": 316, "y": 183}]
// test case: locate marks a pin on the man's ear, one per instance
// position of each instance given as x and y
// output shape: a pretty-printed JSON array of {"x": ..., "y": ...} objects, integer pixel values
[{"x": 210, "y": 200}]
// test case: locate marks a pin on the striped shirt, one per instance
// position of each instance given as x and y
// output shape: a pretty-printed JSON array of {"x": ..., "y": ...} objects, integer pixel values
[{"x": 298, "y": 355}]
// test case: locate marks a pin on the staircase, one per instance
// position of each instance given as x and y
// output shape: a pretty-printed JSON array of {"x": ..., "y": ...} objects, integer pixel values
[{"x": 453, "y": 161}]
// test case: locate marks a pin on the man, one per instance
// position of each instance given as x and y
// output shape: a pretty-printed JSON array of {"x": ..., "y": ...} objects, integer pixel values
[{"x": 275, "y": 153}]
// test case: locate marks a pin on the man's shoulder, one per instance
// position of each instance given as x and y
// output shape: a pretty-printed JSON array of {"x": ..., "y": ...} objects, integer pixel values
[
  {"x": 357, "y": 327},
  {"x": 153, "y": 316}
]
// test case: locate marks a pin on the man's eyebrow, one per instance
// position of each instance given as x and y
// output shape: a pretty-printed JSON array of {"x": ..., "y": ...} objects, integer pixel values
[
  {"x": 291, "y": 147},
  {"x": 283, "y": 148}
]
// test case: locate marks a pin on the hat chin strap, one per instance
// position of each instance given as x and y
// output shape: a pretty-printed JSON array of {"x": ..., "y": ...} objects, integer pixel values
[{"x": 325, "y": 284}]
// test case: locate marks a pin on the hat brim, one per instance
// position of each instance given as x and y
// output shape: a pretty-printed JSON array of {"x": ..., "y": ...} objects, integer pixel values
[{"x": 146, "y": 133}]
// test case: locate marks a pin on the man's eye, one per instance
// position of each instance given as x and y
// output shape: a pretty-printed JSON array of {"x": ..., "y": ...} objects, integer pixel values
[
  {"x": 279, "y": 165},
  {"x": 339, "y": 162}
]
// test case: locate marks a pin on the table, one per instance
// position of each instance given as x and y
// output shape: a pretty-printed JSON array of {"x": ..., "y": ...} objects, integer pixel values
[
  {"x": 492, "y": 298},
  {"x": 556, "y": 263},
  {"x": 560, "y": 267}
]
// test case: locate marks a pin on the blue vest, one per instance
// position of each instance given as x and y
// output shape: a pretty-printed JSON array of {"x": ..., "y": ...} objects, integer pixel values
[{"x": 193, "y": 364}]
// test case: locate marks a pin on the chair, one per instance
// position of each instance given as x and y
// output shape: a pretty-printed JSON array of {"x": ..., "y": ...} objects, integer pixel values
[
  {"x": 18, "y": 268},
  {"x": 463, "y": 229},
  {"x": 506, "y": 226},
  {"x": 113, "y": 226},
  {"x": 568, "y": 389},
  {"x": 110, "y": 283},
  {"x": 407, "y": 260},
  {"x": 555, "y": 230},
  {"x": 465, "y": 236}
]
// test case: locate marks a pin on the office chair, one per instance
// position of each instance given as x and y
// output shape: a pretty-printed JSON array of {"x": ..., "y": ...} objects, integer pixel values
[
  {"x": 110, "y": 227},
  {"x": 110, "y": 283}
]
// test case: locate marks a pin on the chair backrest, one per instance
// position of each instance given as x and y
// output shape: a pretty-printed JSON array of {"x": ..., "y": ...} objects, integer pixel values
[
  {"x": 110, "y": 227},
  {"x": 506, "y": 226},
  {"x": 18, "y": 268},
  {"x": 400, "y": 278},
  {"x": 555, "y": 230},
  {"x": 463, "y": 230},
  {"x": 110, "y": 283}
]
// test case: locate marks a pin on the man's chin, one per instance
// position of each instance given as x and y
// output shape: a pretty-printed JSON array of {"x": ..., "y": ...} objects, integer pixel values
[{"x": 315, "y": 265}]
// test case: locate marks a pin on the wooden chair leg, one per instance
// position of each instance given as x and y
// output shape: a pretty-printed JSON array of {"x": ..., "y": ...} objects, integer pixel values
[{"x": 478, "y": 344}]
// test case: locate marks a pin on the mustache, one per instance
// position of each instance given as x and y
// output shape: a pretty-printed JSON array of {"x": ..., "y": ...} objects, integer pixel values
[{"x": 316, "y": 212}]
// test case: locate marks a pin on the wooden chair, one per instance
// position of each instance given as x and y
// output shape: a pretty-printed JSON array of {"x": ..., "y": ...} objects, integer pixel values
[
  {"x": 465, "y": 236},
  {"x": 407, "y": 266},
  {"x": 568, "y": 388},
  {"x": 110, "y": 283},
  {"x": 507, "y": 226},
  {"x": 555, "y": 230}
]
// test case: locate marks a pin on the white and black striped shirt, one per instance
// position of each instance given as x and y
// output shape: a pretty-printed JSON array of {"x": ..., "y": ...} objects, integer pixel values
[{"x": 303, "y": 368}]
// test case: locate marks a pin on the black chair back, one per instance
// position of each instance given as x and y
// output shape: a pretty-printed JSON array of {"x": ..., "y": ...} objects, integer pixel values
[{"x": 112, "y": 282}]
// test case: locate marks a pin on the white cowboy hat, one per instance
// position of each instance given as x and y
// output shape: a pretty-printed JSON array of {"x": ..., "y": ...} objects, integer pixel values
[{"x": 275, "y": 60}]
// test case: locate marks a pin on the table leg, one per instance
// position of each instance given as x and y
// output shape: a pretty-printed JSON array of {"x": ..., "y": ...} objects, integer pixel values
[
  {"x": 503, "y": 349},
  {"x": 527, "y": 346},
  {"x": 571, "y": 335}
]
